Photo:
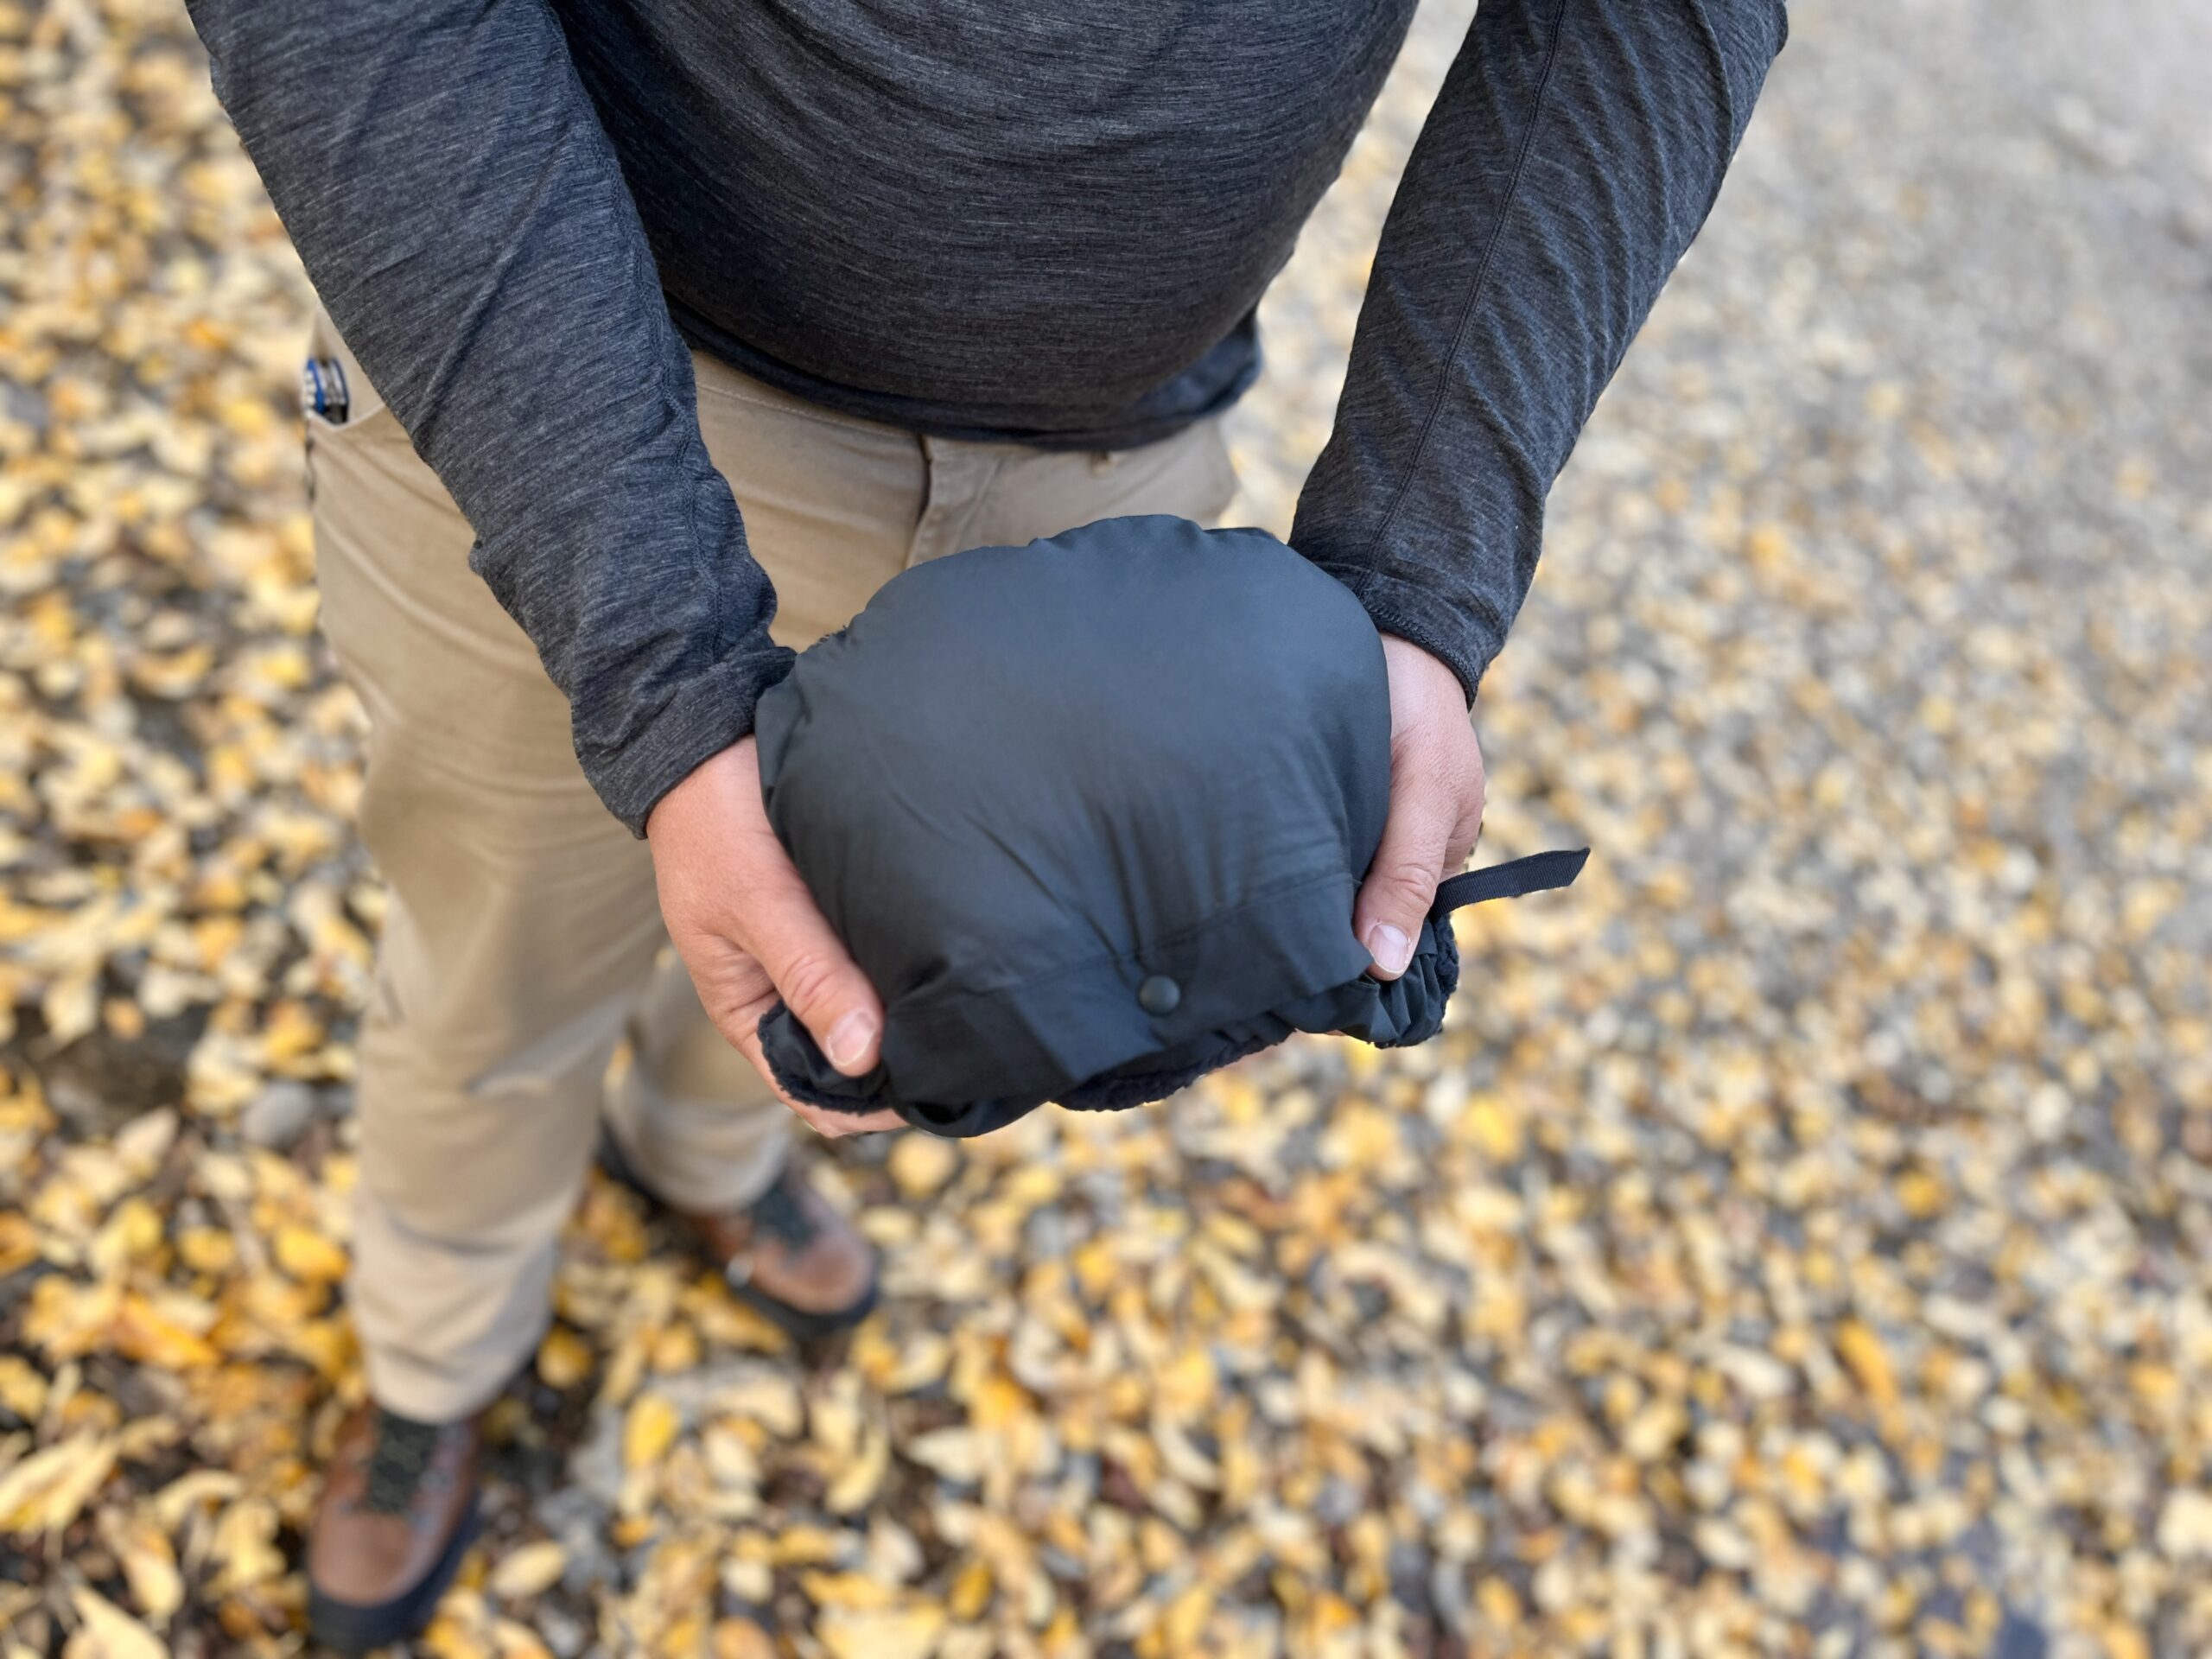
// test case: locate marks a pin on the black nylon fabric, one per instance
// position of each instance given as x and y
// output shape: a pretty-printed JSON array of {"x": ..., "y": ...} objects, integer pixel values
[{"x": 1030, "y": 786}]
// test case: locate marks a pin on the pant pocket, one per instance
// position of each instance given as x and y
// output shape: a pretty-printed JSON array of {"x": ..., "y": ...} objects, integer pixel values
[{"x": 367, "y": 419}]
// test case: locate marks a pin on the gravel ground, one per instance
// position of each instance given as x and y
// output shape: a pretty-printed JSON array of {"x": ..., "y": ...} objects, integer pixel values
[{"x": 1797, "y": 1244}]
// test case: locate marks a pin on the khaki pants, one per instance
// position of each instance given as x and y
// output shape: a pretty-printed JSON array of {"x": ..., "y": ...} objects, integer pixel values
[{"x": 523, "y": 941}]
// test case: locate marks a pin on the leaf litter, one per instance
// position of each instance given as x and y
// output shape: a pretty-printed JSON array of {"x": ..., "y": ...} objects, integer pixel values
[{"x": 1797, "y": 1244}]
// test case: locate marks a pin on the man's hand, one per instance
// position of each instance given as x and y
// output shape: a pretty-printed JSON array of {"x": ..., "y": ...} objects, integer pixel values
[
  {"x": 748, "y": 929},
  {"x": 1436, "y": 805}
]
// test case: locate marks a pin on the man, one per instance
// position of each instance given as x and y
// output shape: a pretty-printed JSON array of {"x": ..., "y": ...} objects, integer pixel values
[{"x": 894, "y": 277}]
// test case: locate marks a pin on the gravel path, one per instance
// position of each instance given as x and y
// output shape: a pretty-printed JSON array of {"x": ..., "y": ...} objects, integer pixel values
[{"x": 1798, "y": 1244}]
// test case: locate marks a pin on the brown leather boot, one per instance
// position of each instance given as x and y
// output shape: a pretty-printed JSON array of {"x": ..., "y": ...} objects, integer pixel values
[
  {"x": 789, "y": 1255},
  {"x": 399, "y": 1511},
  {"x": 792, "y": 1254}
]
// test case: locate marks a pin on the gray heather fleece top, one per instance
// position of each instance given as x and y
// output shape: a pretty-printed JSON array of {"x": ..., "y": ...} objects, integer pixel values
[{"x": 1042, "y": 219}]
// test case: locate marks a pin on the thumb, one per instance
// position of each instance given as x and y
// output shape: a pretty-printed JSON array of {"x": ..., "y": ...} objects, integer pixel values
[
  {"x": 815, "y": 975},
  {"x": 1401, "y": 883}
]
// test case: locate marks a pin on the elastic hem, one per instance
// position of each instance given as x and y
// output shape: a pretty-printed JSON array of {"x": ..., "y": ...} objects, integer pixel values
[
  {"x": 703, "y": 717},
  {"x": 1425, "y": 618}
]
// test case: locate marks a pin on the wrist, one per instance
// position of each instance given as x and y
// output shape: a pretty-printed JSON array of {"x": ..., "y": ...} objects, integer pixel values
[
  {"x": 1461, "y": 630},
  {"x": 700, "y": 719},
  {"x": 1422, "y": 680},
  {"x": 724, "y": 780}
]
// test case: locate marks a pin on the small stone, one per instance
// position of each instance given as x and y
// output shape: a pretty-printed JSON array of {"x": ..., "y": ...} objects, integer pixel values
[
  {"x": 558, "y": 1632},
  {"x": 277, "y": 1116}
]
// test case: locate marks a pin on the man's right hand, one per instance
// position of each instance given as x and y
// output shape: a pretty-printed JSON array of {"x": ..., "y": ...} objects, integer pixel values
[{"x": 741, "y": 919}]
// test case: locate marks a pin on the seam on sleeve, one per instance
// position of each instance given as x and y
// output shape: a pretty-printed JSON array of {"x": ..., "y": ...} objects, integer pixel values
[
  {"x": 1716, "y": 60},
  {"x": 1475, "y": 288},
  {"x": 705, "y": 560},
  {"x": 1732, "y": 130}
]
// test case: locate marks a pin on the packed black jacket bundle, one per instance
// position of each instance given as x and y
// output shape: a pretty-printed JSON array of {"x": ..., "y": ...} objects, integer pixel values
[{"x": 1091, "y": 815}]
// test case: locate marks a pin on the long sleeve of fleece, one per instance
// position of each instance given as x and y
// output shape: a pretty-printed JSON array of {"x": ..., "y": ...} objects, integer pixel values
[
  {"x": 1574, "y": 152},
  {"x": 464, "y": 218}
]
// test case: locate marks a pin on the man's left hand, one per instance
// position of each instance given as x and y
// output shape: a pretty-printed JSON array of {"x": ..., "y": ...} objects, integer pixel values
[{"x": 1436, "y": 805}]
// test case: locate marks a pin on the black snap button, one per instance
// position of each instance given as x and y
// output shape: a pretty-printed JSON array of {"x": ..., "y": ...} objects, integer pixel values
[{"x": 1159, "y": 995}]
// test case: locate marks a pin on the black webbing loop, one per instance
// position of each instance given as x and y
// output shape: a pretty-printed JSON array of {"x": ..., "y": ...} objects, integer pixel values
[{"x": 1538, "y": 873}]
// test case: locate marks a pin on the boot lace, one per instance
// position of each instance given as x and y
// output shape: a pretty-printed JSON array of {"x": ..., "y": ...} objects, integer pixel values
[
  {"x": 781, "y": 1212},
  {"x": 398, "y": 1460}
]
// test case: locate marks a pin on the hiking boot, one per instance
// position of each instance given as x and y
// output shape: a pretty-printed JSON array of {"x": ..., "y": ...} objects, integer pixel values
[
  {"x": 789, "y": 1255},
  {"x": 398, "y": 1513}
]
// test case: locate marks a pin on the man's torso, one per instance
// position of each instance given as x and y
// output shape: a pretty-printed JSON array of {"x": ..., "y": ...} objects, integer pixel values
[{"x": 1049, "y": 221}]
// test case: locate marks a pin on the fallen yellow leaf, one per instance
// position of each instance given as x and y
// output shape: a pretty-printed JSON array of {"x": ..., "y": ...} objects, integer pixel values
[
  {"x": 106, "y": 1631},
  {"x": 649, "y": 1431},
  {"x": 921, "y": 1163},
  {"x": 972, "y": 1591},
  {"x": 563, "y": 1358},
  {"x": 148, "y": 1563},
  {"x": 1187, "y": 1383},
  {"x": 19, "y": 1242},
  {"x": 1500, "y": 1606},
  {"x": 770, "y": 1398},
  {"x": 854, "y": 1488},
  {"x": 309, "y": 1256},
  {"x": 22, "y": 1390},
  {"x": 1187, "y": 1615},
  {"x": 44, "y": 1492},
  {"x": 957, "y": 1454},
  {"x": 200, "y": 1490},
  {"x": 245, "y": 1546},
  {"x": 71, "y": 1008},
  {"x": 131, "y": 1235},
  {"x": 208, "y": 1249},
  {"x": 913, "y": 1634},
  {"x": 529, "y": 1570},
  {"x": 852, "y": 1593},
  {"x": 516, "y": 1640},
  {"x": 1862, "y": 1350},
  {"x": 144, "y": 1334},
  {"x": 292, "y": 1031},
  {"x": 741, "y": 1638},
  {"x": 1494, "y": 1127},
  {"x": 451, "y": 1637}
]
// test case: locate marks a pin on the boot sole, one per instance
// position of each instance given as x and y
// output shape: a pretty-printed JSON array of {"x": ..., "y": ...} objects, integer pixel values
[
  {"x": 802, "y": 1325},
  {"x": 354, "y": 1628}
]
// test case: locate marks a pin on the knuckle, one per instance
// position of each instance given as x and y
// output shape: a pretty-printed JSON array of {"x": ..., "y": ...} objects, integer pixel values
[
  {"x": 735, "y": 1008},
  {"x": 1403, "y": 887},
  {"x": 809, "y": 979},
  {"x": 736, "y": 1017}
]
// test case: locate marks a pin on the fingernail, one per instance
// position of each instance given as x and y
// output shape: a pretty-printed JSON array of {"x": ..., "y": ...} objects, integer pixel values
[
  {"x": 848, "y": 1039},
  {"x": 1389, "y": 947}
]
